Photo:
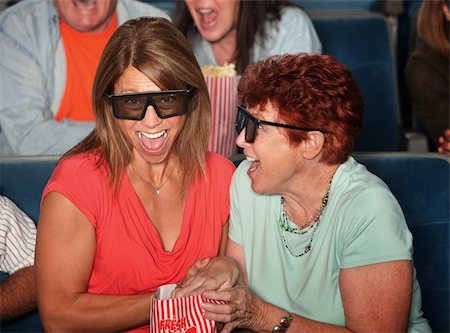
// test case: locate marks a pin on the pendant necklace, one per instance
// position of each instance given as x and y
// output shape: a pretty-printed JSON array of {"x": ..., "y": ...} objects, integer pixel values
[
  {"x": 284, "y": 220},
  {"x": 156, "y": 189}
]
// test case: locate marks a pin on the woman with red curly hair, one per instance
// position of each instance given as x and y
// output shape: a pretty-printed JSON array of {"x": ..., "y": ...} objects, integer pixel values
[{"x": 316, "y": 242}]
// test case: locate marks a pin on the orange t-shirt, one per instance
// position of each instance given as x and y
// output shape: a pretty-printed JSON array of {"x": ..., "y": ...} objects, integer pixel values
[{"x": 83, "y": 53}]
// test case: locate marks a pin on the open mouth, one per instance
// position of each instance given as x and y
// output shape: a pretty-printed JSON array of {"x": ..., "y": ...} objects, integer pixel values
[
  {"x": 207, "y": 17},
  {"x": 84, "y": 4},
  {"x": 153, "y": 141},
  {"x": 254, "y": 165}
]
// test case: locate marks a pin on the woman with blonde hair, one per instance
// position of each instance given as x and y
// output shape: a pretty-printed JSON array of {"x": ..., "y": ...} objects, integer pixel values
[
  {"x": 133, "y": 205},
  {"x": 427, "y": 73}
]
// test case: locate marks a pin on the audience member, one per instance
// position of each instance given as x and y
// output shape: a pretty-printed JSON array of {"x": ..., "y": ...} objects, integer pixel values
[
  {"x": 242, "y": 32},
  {"x": 321, "y": 244},
  {"x": 138, "y": 200},
  {"x": 427, "y": 72},
  {"x": 444, "y": 143},
  {"x": 17, "y": 242},
  {"x": 50, "y": 50}
]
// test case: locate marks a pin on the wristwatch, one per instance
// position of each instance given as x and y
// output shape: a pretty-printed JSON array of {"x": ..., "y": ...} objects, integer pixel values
[{"x": 284, "y": 324}]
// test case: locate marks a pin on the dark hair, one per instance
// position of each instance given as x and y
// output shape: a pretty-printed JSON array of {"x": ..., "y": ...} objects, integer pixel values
[
  {"x": 433, "y": 27},
  {"x": 253, "y": 16},
  {"x": 156, "y": 48},
  {"x": 308, "y": 90}
]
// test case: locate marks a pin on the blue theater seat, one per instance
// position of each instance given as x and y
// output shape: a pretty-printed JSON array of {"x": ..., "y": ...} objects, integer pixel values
[
  {"x": 167, "y": 5},
  {"x": 420, "y": 182},
  {"x": 347, "y": 6},
  {"x": 362, "y": 43},
  {"x": 23, "y": 178}
]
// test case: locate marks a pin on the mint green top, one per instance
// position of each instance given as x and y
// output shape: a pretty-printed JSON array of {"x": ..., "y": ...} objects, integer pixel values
[{"x": 362, "y": 224}]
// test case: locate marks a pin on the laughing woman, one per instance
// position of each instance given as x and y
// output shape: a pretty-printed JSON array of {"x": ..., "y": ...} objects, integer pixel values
[
  {"x": 321, "y": 244},
  {"x": 134, "y": 204},
  {"x": 242, "y": 32}
]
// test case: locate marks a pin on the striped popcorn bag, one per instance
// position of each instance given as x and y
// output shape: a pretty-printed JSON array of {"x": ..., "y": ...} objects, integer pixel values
[
  {"x": 222, "y": 88},
  {"x": 178, "y": 315}
]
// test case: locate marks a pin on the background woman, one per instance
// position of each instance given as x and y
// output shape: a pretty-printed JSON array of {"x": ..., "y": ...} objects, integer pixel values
[
  {"x": 321, "y": 244},
  {"x": 427, "y": 73},
  {"x": 134, "y": 204},
  {"x": 242, "y": 32}
]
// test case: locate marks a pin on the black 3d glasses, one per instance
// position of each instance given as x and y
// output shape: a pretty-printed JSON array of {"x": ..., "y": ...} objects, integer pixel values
[
  {"x": 167, "y": 103},
  {"x": 245, "y": 120}
]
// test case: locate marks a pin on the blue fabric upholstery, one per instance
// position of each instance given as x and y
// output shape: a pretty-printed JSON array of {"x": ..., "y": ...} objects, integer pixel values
[
  {"x": 420, "y": 182},
  {"x": 166, "y": 5},
  {"x": 28, "y": 323},
  {"x": 22, "y": 179},
  {"x": 362, "y": 43},
  {"x": 307, "y": 5},
  {"x": 336, "y": 5}
]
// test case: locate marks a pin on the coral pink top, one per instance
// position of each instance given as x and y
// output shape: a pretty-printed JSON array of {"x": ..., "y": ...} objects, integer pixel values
[{"x": 130, "y": 258}]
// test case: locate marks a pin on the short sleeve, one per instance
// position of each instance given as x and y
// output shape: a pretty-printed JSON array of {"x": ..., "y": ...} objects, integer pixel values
[
  {"x": 17, "y": 237},
  {"x": 222, "y": 170},
  {"x": 377, "y": 233},
  {"x": 237, "y": 186},
  {"x": 81, "y": 180}
]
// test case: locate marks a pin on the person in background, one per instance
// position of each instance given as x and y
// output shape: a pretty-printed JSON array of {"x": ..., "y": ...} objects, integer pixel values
[
  {"x": 444, "y": 143},
  {"x": 50, "y": 50},
  {"x": 427, "y": 73},
  {"x": 238, "y": 33},
  {"x": 137, "y": 201},
  {"x": 319, "y": 243},
  {"x": 242, "y": 32},
  {"x": 17, "y": 243}
]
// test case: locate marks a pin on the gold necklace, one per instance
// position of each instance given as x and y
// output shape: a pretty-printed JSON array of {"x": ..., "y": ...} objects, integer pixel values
[{"x": 156, "y": 189}]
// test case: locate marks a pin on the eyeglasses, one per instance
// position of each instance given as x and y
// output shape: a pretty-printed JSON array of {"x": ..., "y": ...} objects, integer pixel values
[
  {"x": 245, "y": 120},
  {"x": 167, "y": 103}
]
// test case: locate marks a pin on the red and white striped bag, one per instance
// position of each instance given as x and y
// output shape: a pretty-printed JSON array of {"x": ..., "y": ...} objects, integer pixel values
[
  {"x": 178, "y": 315},
  {"x": 223, "y": 95}
]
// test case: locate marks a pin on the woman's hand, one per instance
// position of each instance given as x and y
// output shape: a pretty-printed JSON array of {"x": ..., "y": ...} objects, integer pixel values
[
  {"x": 242, "y": 308},
  {"x": 217, "y": 273},
  {"x": 444, "y": 143}
]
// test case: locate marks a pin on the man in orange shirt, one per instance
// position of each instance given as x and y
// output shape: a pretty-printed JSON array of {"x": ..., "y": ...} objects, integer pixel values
[{"x": 50, "y": 50}]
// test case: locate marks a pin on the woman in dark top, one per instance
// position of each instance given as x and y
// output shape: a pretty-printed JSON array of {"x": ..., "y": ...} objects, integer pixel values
[{"x": 427, "y": 72}]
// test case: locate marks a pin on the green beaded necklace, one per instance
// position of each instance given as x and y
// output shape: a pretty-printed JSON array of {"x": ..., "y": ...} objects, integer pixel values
[{"x": 284, "y": 220}]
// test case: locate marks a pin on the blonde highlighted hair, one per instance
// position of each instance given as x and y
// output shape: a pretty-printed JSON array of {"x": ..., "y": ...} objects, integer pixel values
[{"x": 159, "y": 50}]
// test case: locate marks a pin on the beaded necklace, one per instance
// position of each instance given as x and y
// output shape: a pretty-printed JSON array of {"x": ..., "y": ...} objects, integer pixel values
[{"x": 284, "y": 220}]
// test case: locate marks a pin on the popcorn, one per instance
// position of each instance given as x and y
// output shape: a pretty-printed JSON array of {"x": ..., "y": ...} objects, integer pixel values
[
  {"x": 222, "y": 82},
  {"x": 179, "y": 315},
  {"x": 225, "y": 70}
]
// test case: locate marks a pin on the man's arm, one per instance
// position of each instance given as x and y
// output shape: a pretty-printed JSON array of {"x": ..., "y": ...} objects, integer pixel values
[
  {"x": 17, "y": 294},
  {"x": 17, "y": 242},
  {"x": 25, "y": 116}
]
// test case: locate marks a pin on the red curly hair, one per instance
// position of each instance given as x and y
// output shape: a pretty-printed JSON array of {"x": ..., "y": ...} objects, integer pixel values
[{"x": 308, "y": 90}]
